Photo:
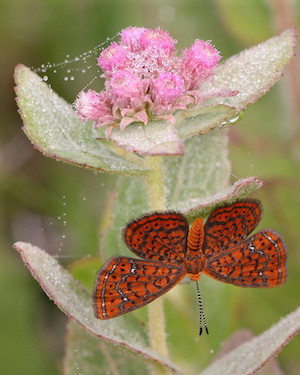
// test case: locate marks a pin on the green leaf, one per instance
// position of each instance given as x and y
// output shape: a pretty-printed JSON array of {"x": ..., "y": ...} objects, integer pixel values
[
  {"x": 86, "y": 354},
  {"x": 251, "y": 356},
  {"x": 204, "y": 206},
  {"x": 240, "y": 337},
  {"x": 52, "y": 126},
  {"x": 204, "y": 119},
  {"x": 254, "y": 71},
  {"x": 74, "y": 300},
  {"x": 155, "y": 138},
  {"x": 162, "y": 138},
  {"x": 129, "y": 201},
  {"x": 203, "y": 170}
]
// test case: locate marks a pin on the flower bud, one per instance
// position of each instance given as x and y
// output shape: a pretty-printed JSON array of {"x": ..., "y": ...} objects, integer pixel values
[
  {"x": 130, "y": 37},
  {"x": 157, "y": 39},
  {"x": 91, "y": 105},
  {"x": 113, "y": 57}
]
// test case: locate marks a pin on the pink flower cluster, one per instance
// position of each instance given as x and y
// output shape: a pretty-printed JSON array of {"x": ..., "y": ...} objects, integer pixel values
[{"x": 146, "y": 80}]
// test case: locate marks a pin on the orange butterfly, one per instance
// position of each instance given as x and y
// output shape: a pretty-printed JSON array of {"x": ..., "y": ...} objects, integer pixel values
[{"x": 219, "y": 248}]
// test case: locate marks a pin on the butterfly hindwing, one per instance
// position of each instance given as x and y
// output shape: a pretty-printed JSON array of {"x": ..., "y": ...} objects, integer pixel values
[
  {"x": 125, "y": 284},
  {"x": 256, "y": 262},
  {"x": 230, "y": 225}
]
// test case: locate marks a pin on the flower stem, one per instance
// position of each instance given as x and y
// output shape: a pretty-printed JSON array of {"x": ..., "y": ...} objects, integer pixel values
[
  {"x": 156, "y": 318},
  {"x": 155, "y": 183}
]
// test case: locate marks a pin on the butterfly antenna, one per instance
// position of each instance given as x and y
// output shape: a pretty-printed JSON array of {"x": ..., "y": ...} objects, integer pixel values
[{"x": 201, "y": 312}]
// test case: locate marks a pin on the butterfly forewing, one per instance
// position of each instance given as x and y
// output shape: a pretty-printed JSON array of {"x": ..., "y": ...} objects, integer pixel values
[
  {"x": 229, "y": 225},
  {"x": 256, "y": 262},
  {"x": 125, "y": 284},
  {"x": 158, "y": 236}
]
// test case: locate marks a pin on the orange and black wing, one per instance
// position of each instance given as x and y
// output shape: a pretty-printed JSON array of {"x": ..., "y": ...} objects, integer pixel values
[
  {"x": 229, "y": 225},
  {"x": 125, "y": 284},
  {"x": 259, "y": 261},
  {"x": 158, "y": 236}
]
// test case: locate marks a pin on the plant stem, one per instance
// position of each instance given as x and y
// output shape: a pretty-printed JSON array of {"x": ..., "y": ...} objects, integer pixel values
[
  {"x": 155, "y": 183},
  {"x": 156, "y": 318}
]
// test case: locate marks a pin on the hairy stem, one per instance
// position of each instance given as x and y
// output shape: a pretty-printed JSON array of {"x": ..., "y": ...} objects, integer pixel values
[
  {"x": 156, "y": 318},
  {"x": 155, "y": 183}
]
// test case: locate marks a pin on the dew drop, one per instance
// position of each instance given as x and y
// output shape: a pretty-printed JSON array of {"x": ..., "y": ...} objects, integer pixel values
[{"x": 233, "y": 120}]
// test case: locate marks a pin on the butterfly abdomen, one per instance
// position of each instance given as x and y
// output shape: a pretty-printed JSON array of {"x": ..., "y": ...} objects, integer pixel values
[
  {"x": 195, "y": 261},
  {"x": 195, "y": 238}
]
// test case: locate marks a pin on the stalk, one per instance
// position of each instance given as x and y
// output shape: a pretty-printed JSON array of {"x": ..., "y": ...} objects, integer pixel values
[{"x": 156, "y": 317}]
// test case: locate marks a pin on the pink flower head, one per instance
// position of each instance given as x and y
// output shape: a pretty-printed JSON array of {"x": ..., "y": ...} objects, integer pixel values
[
  {"x": 113, "y": 57},
  {"x": 147, "y": 80},
  {"x": 157, "y": 39},
  {"x": 167, "y": 88},
  {"x": 126, "y": 89},
  {"x": 91, "y": 105},
  {"x": 199, "y": 61},
  {"x": 130, "y": 37}
]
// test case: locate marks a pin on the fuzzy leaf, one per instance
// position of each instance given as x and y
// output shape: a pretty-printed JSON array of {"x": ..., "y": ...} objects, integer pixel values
[
  {"x": 161, "y": 138},
  {"x": 251, "y": 356},
  {"x": 130, "y": 192},
  {"x": 203, "y": 170},
  {"x": 52, "y": 126},
  {"x": 76, "y": 303},
  {"x": 86, "y": 354},
  {"x": 240, "y": 337},
  {"x": 254, "y": 71},
  {"x": 204, "y": 206},
  {"x": 204, "y": 119},
  {"x": 155, "y": 138}
]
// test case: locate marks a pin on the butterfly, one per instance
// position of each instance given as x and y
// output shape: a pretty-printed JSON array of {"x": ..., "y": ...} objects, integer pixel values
[{"x": 171, "y": 250}]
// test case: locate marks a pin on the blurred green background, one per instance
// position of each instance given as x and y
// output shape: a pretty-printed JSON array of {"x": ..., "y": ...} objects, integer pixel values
[{"x": 58, "y": 207}]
